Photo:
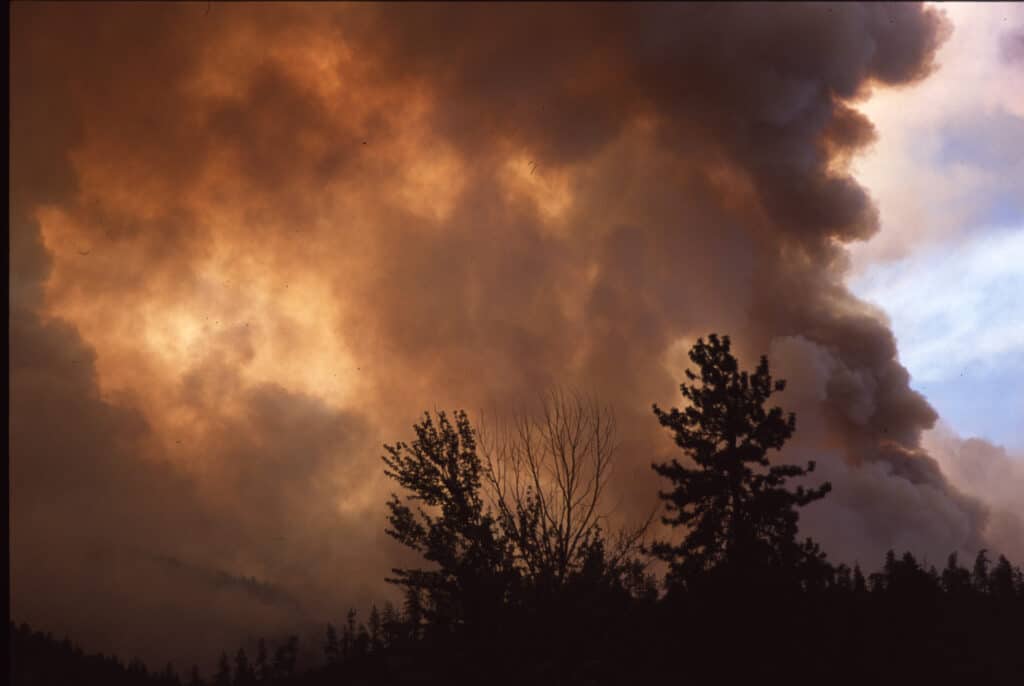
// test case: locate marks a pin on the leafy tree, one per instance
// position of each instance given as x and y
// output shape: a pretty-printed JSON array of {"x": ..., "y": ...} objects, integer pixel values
[
  {"x": 455, "y": 531},
  {"x": 738, "y": 514}
]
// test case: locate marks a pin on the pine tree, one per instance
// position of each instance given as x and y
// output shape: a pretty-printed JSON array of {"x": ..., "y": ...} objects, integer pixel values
[
  {"x": 362, "y": 642},
  {"x": 375, "y": 628},
  {"x": 859, "y": 583},
  {"x": 391, "y": 624},
  {"x": 979, "y": 576},
  {"x": 332, "y": 648},
  {"x": 262, "y": 668},
  {"x": 889, "y": 568},
  {"x": 137, "y": 667},
  {"x": 412, "y": 607},
  {"x": 738, "y": 514},
  {"x": 223, "y": 676},
  {"x": 348, "y": 635},
  {"x": 843, "y": 579},
  {"x": 956, "y": 580},
  {"x": 169, "y": 675},
  {"x": 194, "y": 678},
  {"x": 243, "y": 671},
  {"x": 1001, "y": 580},
  {"x": 285, "y": 657}
]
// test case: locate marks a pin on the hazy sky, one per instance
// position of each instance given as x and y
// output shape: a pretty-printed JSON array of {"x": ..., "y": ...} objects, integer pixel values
[
  {"x": 948, "y": 175},
  {"x": 250, "y": 245}
]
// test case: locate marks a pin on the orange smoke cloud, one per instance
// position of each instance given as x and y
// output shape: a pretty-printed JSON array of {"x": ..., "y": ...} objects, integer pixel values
[{"x": 269, "y": 237}]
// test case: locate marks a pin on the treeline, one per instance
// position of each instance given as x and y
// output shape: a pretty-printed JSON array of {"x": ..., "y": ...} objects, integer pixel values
[
  {"x": 41, "y": 659},
  {"x": 958, "y": 624},
  {"x": 526, "y": 584}
]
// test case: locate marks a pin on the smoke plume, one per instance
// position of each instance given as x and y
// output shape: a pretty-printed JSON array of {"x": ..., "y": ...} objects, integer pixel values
[{"x": 251, "y": 245}]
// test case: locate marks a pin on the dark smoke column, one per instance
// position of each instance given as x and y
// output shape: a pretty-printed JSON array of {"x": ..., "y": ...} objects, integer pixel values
[{"x": 716, "y": 140}]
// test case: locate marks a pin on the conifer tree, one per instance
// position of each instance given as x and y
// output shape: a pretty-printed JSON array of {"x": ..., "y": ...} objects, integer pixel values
[
  {"x": 223, "y": 676},
  {"x": 733, "y": 501},
  {"x": 243, "y": 671},
  {"x": 1001, "y": 580},
  {"x": 262, "y": 668},
  {"x": 332, "y": 647},
  {"x": 843, "y": 579},
  {"x": 348, "y": 635},
  {"x": 391, "y": 624},
  {"x": 362, "y": 641},
  {"x": 374, "y": 625},
  {"x": 956, "y": 580},
  {"x": 979, "y": 576},
  {"x": 859, "y": 583},
  {"x": 285, "y": 657},
  {"x": 169, "y": 675}
]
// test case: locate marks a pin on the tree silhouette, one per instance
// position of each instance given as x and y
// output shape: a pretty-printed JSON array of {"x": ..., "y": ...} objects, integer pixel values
[
  {"x": 546, "y": 475},
  {"x": 243, "y": 671},
  {"x": 374, "y": 625},
  {"x": 390, "y": 625},
  {"x": 262, "y": 668},
  {"x": 348, "y": 634},
  {"x": 979, "y": 575},
  {"x": 223, "y": 676},
  {"x": 455, "y": 531},
  {"x": 859, "y": 583},
  {"x": 286, "y": 657},
  {"x": 734, "y": 504},
  {"x": 332, "y": 648},
  {"x": 956, "y": 580},
  {"x": 1002, "y": 579}
]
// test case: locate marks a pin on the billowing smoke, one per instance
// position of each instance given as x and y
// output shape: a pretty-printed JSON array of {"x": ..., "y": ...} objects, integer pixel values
[
  {"x": 988, "y": 472},
  {"x": 251, "y": 245}
]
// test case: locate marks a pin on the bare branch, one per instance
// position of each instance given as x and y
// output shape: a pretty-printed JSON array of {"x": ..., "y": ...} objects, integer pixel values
[{"x": 547, "y": 474}]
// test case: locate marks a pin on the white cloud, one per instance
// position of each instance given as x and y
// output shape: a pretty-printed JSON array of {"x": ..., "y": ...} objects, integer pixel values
[
  {"x": 947, "y": 266},
  {"x": 954, "y": 307},
  {"x": 950, "y": 150}
]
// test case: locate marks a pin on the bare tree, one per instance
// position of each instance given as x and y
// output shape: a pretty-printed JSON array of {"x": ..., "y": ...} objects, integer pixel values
[{"x": 547, "y": 474}]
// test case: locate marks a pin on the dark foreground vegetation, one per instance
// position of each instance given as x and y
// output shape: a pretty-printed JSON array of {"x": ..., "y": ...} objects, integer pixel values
[{"x": 524, "y": 585}]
